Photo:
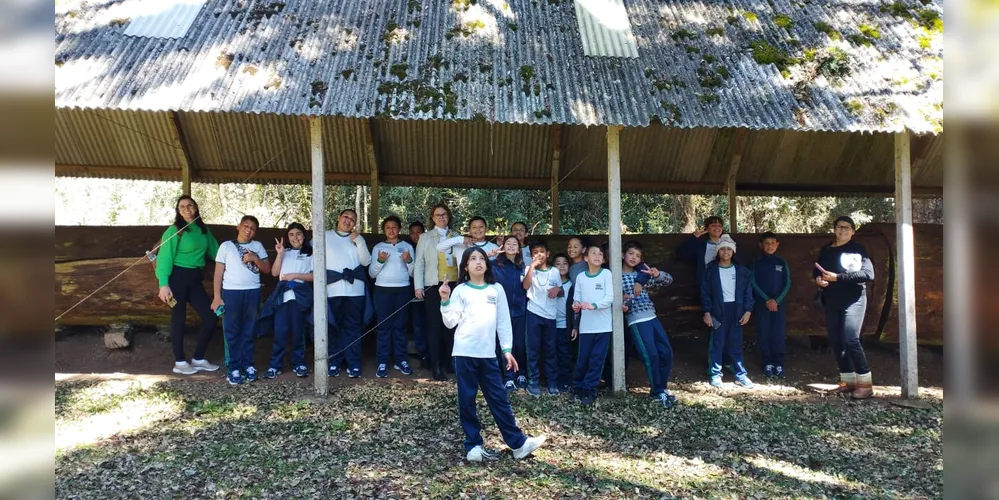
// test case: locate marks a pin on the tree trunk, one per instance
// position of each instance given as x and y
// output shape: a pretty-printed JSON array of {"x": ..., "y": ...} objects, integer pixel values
[{"x": 684, "y": 213}]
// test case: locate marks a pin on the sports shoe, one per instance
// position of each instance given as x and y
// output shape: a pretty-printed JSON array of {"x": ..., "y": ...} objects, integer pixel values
[
  {"x": 301, "y": 371},
  {"x": 533, "y": 389},
  {"x": 333, "y": 371},
  {"x": 381, "y": 372},
  {"x": 768, "y": 371},
  {"x": 529, "y": 446},
  {"x": 203, "y": 365},
  {"x": 522, "y": 382},
  {"x": 235, "y": 378},
  {"x": 664, "y": 400},
  {"x": 585, "y": 399},
  {"x": 404, "y": 368},
  {"x": 251, "y": 374},
  {"x": 184, "y": 368},
  {"x": 716, "y": 381},
  {"x": 563, "y": 387},
  {"x": 744, "y": 381},
  {"x": 510, "y": 386},
  {"x": 670, "y": 397},
  {"x": 553, "y": 390},
  {"x": 480, "y": 454},
  {"x": 272, "y": 373},
  {"x": 353, "y": 372},
  {"x": 779, "y": 371}
]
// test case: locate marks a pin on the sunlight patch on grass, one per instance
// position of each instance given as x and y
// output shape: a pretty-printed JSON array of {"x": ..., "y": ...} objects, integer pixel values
[{"x": 801, "y": 473}]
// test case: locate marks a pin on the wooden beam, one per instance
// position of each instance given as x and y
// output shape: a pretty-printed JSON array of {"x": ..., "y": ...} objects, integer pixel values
[
  {"x": 188, "y": 167},
  {"x": 906, "y": 263},
  {"x": 369, "y": 149},
  {"x": 556, "y": 173},
  {"x": 735, "y": 159},
  {"x": 66, "y": 170},
  {"x": 614, "y": 242},
  {"x": 319, "y": 257}
]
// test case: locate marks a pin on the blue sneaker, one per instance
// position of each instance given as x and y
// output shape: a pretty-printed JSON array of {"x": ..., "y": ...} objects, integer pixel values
[
  {"x": 381, "y": 372},
  {"x": 664, "y": 400},
  {"x": 272, "y": 373},
  {"x": 301, "y": 371},
  {"x": 333, "y": 371},
  {"x": 716, "y": 381},
  {"x": 553, "y": 390},
  {"x": 509, "y": 386},
  {"x": 404, "y": 368},
  {"x": 353, "y": 372},
  {"x": 779, "y": 371},
  {"x": 235, "y": 378},
  {"x": 251, "y": 374},
  {"x": 670, "y": 397},
  {"x": 744, "y": 381},
  {"x": 522, "y": 382},
  {"x": 768, "y": 371},
  {"x": 533, "y": 389},
  {"x": 563, "y": 388}
]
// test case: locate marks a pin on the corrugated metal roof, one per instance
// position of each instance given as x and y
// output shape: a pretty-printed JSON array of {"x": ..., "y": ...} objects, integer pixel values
[
  {"x": 604, "y": 28},
  {"x": 164, "y": 18},
  {"x": 520, "y": 61}
]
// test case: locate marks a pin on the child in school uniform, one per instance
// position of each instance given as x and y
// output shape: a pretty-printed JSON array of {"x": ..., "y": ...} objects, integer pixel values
[
  {"x": 509, "y": 270},
  {"x": 238, "y": 265},
  {"x": 478, "y": 310},
  {"x": 564, "y": 340},
  {"x": 727, "y": 302},
  {"x": 543, "y": 285},
  {"x": 771, "y": 284},
  {"x": 476, "y": 237},
  {"x": 391, "y": 270},
  {"x": 592, "y": 299},
  {"x": 293, "y": 268},
  {"x": 647, "y": 332}
]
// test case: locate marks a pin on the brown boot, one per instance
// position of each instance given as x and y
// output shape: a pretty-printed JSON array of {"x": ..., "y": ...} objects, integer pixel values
[
  {"x": 865, "y": 388},
  {"x": 847, "y": 383}
]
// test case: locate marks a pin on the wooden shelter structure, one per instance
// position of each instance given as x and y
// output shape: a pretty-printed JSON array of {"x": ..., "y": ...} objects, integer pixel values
[{"x": 684, "y": 96}]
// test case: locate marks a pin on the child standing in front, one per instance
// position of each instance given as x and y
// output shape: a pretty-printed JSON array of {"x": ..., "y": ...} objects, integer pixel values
[
  {"x": 592, "y": 299},
  {"x": 543, "y": 285},
  {"x": 478, "y": 310},
  {"x": 238, "y": 265},
  {"x": 564, "y": 341},
  {"x": 771, "y": 284},
  {"x": 727, "y": 302},
  {"x": 647, "y": 332},
  {"x": 391, "y": 270}
]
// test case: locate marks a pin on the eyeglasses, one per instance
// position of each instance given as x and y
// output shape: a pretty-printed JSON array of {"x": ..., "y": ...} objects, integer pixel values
[
  {"x": 187, "y": 207},
  {"x": 844, "y": 228},
  {"x": 440, "y": 214}
]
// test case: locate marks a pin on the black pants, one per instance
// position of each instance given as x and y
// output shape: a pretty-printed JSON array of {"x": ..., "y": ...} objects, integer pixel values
[
  {"x": 187, "y": 288},
  {"x": 843, "y": 325},
  {"x": 440, "y": 340}
]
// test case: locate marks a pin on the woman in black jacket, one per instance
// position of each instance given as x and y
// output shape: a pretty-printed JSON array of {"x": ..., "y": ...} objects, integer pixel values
[{"x": 842, "y": 271}]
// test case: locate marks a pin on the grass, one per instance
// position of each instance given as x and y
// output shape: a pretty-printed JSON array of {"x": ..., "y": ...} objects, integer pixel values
[{"x": 197, "y": 439}]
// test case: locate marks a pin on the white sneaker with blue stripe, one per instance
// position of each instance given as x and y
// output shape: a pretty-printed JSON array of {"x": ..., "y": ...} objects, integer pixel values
[{"x": 480, "y": 454}]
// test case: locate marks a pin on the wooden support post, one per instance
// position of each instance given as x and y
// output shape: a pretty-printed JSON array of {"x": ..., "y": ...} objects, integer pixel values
[
  {"x": 614, "y": 232},
  {"x": 959, "y": 323},
  {"x": 369, "y": 146},
  {"x": 906, "y": 261},
  {"x": 556, "y": 173},
  {"x": 319, "y": 255},
  {"x": 735, "y": 160},
  {"x": 188, "y": 166}
]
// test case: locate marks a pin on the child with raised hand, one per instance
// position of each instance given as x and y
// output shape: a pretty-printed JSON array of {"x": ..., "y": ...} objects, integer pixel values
[
  {"x": 238, "y": 265},
  {"x": 391, "y": 270},
  {"x": 592, "y": 299},
  {"x": 477, "y": 308},
  {"x": 293, "y": 269},
  {"x": 564, "y": 341},
  {"x": 476, "y": 237},
  {"x": 727, "y": 302},
  {"x": 647, "y": 332},
  {"x": 543, "y": 286}
]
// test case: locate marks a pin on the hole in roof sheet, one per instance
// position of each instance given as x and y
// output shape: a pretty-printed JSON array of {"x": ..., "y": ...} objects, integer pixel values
[
  {"x": 164, "y": 18},
  {"x": 604, "y": 28}
]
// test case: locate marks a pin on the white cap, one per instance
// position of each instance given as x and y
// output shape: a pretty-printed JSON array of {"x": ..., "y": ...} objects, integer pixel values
[{"x": 725, "y": 241}]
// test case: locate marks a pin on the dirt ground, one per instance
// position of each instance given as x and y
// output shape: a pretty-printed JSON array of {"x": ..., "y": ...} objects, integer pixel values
[{"x": 81, "y": 350}]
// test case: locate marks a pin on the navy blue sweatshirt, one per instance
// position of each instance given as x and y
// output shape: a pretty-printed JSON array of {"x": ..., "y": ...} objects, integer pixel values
[
  {"x": 853, "y": 269},
  {"x": 711, "y": 290},
  {"x": 771, "y": 279}
]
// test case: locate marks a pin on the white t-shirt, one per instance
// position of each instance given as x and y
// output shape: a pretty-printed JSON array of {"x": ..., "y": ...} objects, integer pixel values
[
  {"x": 394, "y": 272},
  {"x": 481, "y": 314},
  {"x": 293, "y": 262},
  {"x": 727, "y": 275},
  {"x": 344, "y": 253},
  {"x": 560, "y": 321},
  {"x": 237, "y": 275},
  {"x": 710, "y": 252},
  {"x": 597, "y": 290},
  {"x": 537, "y": 296},
  {"x": 456, "y": 244}
]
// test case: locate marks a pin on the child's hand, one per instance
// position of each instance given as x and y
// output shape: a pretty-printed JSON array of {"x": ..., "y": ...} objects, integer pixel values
[
  {"x": 216, "y": 303},
  {"x": 576, "y": 307},
  {"x": 468, "y": 241},
  {"x": 707, "y": 320},
  {"x": 406, "y": 257},
  {"x": 699, "y": 232},
  {"x": 553, "y": 292},
  {"x": 494, "y": 252},
  {"x": 383, "y": 256},
  {"x": 278, "y": 245},
  {"x": 745, "y": 318},
  {"x": 624, "y": 307},
  {"x": 445, "y": 291},
  {"x": 821, "y": 282},
  {"x": 511, "y": 362},
  {"x": 354, "y": 234},
  {"x": 588, "y": 306},
  {"x": 286, "y": 277},
  {"x": 418, "y": 293},
  {"x": 651, "y": 271},
  {"x": 638, "y": 289},
  {"x": 575, "y": 333},
  {"x": 772, "y": 305}
]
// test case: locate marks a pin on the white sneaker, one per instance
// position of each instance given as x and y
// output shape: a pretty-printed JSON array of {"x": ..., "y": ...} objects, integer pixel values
[
  {"x": 203, "y": 365},
  {"x": 184, "y": 368},
  {"x": 480, "y": 454},
  {"x": 529, "y": 446}
]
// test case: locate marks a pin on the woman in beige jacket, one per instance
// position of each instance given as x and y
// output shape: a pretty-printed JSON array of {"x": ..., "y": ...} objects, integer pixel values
[{"x": 431, "y": 268}]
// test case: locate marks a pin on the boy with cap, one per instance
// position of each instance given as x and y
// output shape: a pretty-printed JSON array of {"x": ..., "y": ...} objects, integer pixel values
[{"x": 727, "y": 302}]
